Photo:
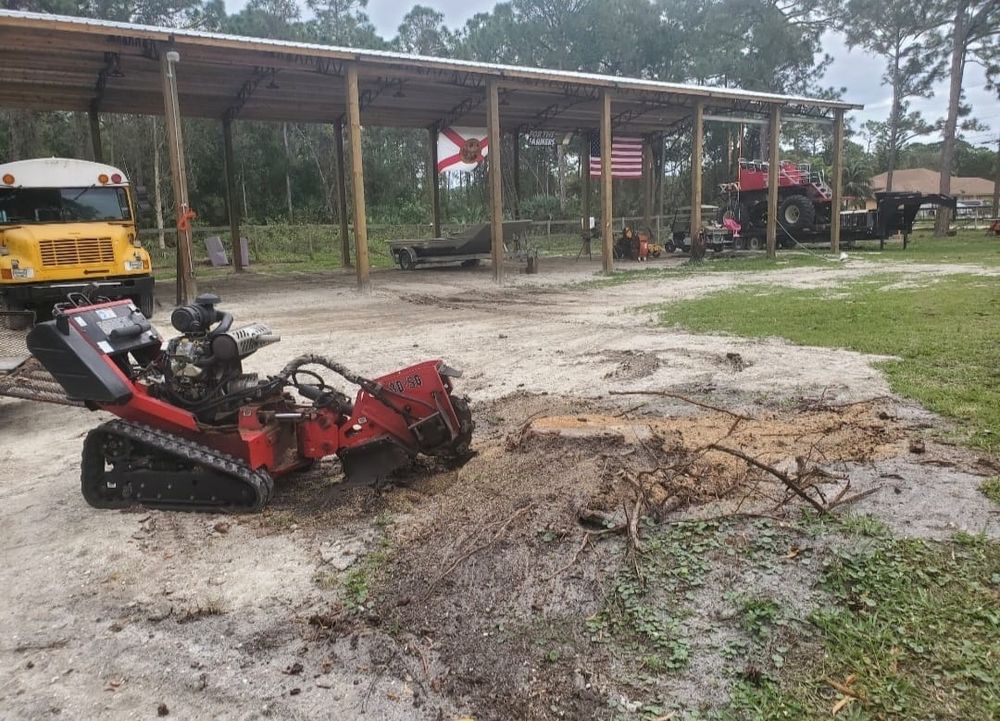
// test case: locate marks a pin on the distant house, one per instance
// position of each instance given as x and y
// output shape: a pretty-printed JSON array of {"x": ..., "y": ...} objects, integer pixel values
[{"x": 922, "y": 180}]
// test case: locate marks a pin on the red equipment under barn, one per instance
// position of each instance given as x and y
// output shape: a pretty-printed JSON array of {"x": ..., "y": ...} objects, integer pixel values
[{"x": 804, "y": 198}]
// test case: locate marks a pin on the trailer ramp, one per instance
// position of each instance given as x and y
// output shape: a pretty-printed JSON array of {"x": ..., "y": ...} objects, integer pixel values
[{"x": 21, "y": 375}]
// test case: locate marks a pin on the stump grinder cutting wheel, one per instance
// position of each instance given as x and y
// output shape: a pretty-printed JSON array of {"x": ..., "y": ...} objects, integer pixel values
[{"x": 197, "y": 433}]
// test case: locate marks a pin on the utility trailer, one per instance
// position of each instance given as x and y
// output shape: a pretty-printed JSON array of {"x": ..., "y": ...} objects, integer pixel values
[{"x": 468, "y": 248}]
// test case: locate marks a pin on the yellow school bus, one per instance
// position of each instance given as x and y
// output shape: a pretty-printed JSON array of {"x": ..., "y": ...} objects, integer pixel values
[{"x": 65, "y": 225}]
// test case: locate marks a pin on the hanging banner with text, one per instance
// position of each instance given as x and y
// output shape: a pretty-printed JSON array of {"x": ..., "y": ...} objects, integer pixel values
[{"x": 542, "y": 137}]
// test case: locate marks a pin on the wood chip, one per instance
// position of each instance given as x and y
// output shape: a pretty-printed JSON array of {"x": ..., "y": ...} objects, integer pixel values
[
  {"x": 845, "y": 688},
  {"x": 839, "y": 706}
]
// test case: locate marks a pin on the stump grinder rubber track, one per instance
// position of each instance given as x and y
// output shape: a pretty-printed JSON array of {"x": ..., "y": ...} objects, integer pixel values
[{"x": 126, "y": 463}]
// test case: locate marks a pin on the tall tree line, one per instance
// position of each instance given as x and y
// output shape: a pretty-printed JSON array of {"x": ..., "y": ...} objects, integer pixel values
[{"x": 766, "y": 45}]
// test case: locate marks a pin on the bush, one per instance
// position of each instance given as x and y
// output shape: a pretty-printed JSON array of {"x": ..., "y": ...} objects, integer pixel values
[{"x": 542, "y": 207}]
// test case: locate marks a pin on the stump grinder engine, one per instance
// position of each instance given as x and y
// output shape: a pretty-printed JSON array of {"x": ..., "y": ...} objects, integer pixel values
[{"x": 195, "y": 432}]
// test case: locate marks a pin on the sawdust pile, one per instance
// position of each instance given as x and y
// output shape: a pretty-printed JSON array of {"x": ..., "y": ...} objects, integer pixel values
[
  {"x": 677, "y": 454},
  {"x": 489, "y": 563}
]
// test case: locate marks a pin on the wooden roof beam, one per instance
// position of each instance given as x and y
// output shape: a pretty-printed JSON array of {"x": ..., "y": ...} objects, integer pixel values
[{"x": 280, "y": 61}]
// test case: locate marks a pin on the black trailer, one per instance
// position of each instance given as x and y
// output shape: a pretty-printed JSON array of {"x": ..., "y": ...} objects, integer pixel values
[{"x": 894, "y": 213}]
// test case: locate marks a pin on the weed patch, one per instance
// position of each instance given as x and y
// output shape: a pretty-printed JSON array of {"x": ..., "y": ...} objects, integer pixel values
[
  {"x": 359, "y": 579},
  {"x": 863, "y": 525},
  {"x": 915, "y": 626},
  {"x": 645, "y": 605}
]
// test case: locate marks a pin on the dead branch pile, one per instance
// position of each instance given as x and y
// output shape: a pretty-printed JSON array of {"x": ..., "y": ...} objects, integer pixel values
[{"x": 668, "y": 472}]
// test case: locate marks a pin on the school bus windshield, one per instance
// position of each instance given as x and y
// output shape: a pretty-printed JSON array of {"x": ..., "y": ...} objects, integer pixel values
[{"x": 63, "y": 205}]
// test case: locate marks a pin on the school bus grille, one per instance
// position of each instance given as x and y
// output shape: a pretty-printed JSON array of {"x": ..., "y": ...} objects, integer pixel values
[{"x": 76, "y": 251}]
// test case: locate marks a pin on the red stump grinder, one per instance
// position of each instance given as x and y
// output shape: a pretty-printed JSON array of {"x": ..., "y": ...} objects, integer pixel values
[{"x": 197, "y": 433}]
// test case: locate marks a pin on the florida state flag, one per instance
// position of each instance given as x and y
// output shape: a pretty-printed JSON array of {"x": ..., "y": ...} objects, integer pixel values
[{"x": 461, "y": 149}]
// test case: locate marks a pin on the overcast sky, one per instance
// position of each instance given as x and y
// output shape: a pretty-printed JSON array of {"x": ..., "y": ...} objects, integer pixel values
[{"x": 855, "y": 70}]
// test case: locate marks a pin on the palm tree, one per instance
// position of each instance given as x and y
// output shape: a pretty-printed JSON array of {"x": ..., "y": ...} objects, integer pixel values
[{"x": 857, "y": 179}]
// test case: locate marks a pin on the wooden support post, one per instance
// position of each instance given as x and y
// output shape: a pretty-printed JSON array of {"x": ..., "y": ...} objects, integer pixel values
[
  {"x": 585, "y": 191},
  {"x": 95, "y": 133},
  {"x": 232, "y": 207},
  {"x": 607, "y": 237},
  {"x": 561, "y": 175},
  {"x": 345, "y": 237},
  {"x": 647, "y": 182},
  {"x": 495, "y": 169},
  {"x": 288, "y": 175},
  {"x": 773, "y": 169},
  {"x": 186, "y": 286},
  {"x": 433, "y": 181},
  {"x": 357, "y": 179},
  {"x": 838, "y": 179},
  {"x": 659, "y": 156},
  {"x": 516, "y": 171},
  {"x": 996, "y": 183},
  {"x": 697, "y": 145}
]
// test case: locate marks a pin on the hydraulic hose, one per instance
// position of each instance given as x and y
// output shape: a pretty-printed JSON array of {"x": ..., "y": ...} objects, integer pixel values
[
  {"x": 375, "y": 389},
  {"x": 341, "y": 370}
]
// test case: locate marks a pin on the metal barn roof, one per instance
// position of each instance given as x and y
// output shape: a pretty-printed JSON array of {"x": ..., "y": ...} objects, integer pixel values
[{"x": 64, "y": 63}]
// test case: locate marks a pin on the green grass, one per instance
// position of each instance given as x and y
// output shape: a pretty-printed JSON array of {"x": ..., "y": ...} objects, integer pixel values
[
  {"x": 945, "y": 334},
  {"x": 967, "y": 246},
  {"x": 864, "y": 525},
  {"x": 991, "y": 489},
  {"x": 916, "y": 622}
]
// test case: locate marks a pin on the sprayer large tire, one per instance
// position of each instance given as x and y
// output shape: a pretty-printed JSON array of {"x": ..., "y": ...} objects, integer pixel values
[{"x": 797, "y": 213}]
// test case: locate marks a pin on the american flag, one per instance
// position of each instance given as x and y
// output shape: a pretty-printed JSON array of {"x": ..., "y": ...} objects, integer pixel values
[{"x": 626, "y": 156}]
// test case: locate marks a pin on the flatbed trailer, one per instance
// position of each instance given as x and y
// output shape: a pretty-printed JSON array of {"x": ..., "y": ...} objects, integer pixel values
[{"x": 893, "y": 214}]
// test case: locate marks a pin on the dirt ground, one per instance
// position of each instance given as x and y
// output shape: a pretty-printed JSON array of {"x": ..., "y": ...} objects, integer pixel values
[{"x": 470, "y": 592}]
